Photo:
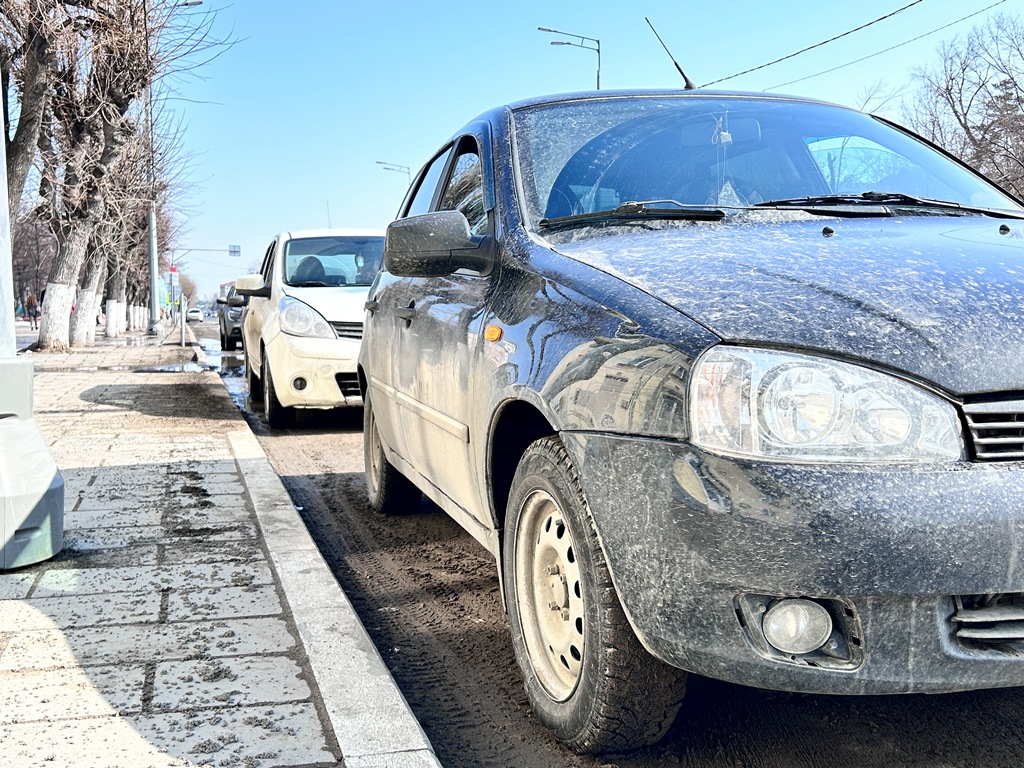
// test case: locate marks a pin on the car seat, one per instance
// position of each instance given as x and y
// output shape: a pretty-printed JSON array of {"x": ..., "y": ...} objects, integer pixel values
[{"x": 310, "y": 270}]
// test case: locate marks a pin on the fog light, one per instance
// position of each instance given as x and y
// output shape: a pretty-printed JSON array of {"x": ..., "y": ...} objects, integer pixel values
[
  {"x": 299, "y": 383},
  {"x": 797, "y": 626}
]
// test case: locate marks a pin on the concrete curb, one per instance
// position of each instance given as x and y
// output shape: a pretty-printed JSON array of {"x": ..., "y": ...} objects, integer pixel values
[{"x": 371, "y": 719}]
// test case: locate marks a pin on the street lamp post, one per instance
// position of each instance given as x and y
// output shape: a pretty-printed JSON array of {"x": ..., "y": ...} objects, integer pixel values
[
  {"x": 154, "y": 267},
  {"x": 581, "y": 44}
]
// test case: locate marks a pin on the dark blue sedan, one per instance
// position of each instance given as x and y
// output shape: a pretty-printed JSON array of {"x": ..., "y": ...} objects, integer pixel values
[{"x": 730, "y": 384}]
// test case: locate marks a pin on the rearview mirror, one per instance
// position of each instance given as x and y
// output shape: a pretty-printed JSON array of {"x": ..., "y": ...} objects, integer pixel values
[
  {"x": 238, "y": 301},
  {"x": 434, "y": 245},
  {"x": 252, "y": 285}
]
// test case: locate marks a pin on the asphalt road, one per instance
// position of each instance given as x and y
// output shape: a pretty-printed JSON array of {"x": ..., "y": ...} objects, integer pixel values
[{"x": 428, "y": 595}]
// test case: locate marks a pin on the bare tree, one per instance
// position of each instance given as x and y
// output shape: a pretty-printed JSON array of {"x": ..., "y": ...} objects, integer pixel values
[
  {"x": 972, "y": 102},
  {"x": 29, "y": 30},
  {"x": 78, "y": 80}
]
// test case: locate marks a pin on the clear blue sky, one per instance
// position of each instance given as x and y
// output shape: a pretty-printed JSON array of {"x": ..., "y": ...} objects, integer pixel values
[{"x": 285, "y": 129}]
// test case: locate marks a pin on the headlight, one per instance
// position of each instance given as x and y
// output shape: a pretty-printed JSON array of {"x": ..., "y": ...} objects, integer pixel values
[
  {"x": 299, "y": 319},
  {"x": 792, "y": 407}
]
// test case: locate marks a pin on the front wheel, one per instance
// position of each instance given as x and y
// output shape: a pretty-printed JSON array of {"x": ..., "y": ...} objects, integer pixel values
[
  {"x": 388, "y": 490},
  {"x": 588, "y": 678},
  {"x": 253, "y": 381},
  {"x": 277, "y": 415}
]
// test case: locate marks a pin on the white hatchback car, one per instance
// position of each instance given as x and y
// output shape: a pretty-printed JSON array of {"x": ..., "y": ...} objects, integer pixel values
[{"x": 304, "y": 325}]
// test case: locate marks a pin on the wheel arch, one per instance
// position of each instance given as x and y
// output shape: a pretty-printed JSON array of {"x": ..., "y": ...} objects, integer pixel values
[{"x": 516, "y": 425}]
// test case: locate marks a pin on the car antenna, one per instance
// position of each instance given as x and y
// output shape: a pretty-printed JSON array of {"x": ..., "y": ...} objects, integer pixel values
[{"x": 688, "y": 83}]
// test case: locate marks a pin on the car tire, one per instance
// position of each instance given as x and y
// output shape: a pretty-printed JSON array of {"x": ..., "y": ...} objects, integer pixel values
[
  {"x": 587, "y": 677},
  {"x": 277, "y": 415},
  {"x": 254, "y": 382},
  {"x": 388, "y": 490}
]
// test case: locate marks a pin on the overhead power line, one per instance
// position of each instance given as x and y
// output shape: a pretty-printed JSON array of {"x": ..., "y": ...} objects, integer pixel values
[
  {"x": 816, "y": 45},
  {"x": 886, "y": 50}
]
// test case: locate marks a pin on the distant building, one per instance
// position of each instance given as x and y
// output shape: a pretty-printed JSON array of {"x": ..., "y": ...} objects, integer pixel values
[{"x": 225, "y": 287}]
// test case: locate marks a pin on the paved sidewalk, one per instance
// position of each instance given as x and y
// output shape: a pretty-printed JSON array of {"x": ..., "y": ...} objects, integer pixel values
[{"x": 189, "y": 620}]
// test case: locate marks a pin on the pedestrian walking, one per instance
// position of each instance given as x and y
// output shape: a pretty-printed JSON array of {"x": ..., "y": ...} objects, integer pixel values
[{"x": 32, "y": 311}]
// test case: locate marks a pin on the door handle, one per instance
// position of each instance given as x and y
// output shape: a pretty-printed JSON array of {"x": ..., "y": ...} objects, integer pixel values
[
  {"x": 371, "y": 306},
  {"x": 406, "y": 313}
]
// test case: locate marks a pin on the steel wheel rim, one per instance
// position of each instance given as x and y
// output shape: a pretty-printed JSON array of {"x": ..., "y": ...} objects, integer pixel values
[{"x": 549, "y": 595}]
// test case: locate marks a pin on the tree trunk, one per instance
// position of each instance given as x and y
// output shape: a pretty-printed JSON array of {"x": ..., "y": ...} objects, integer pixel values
[
  {"x": 21, "y": 150},
  {"x": 83, "y": 321},
  {"x": 55, "y": 329},
  {"x": 113, "y": 327}
]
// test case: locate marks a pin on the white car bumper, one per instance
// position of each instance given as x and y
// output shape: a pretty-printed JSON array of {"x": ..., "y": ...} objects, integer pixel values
[{"x": 314, "y": 373}]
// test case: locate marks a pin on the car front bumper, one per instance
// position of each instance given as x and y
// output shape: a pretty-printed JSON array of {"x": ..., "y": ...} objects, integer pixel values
[
  {"x": 695, "y": 542},
  {"x": 327, "y": 366}
]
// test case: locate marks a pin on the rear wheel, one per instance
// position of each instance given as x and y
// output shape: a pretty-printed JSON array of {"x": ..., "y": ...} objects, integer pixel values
[
  {"x": 278, "y": 416},
  {"x": 587, "y": 677},
  {"x": 388, "y": 490}
]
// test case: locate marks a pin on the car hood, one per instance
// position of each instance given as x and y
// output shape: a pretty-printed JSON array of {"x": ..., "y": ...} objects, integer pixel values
[
  {"x": 941, "y": 298},
  {"x": 337, "y": 304}
]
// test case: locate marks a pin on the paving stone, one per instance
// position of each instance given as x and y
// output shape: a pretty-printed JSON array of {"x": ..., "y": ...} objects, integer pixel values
[
  {"x": 79, "y": 611},
  {"x": 71, "y": 693},
  {"x": 223, "y": 603},
  {"x": 104, "y": 580},
  {"x": 221, "y": 681},
  {"x": 15, "y": 585},
  {"x": 134, "y": 644}
]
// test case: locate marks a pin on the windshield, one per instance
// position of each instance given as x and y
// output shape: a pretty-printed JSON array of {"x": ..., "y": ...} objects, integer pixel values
[
  {"x": 332, "y": 260},
  {"x": 725, "y": 152}
]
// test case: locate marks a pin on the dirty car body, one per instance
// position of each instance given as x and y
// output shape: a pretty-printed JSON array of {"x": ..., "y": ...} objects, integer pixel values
[{"x": 776, "y": 347}]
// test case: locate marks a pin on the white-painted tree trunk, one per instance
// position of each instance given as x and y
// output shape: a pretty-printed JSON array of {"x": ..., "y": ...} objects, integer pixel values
[
  {"x": 55, "y": 324},
  {"x": 113, "y": 330},
  {"x": 97, "y": 308},
  {"x": 83, "y": 318}
]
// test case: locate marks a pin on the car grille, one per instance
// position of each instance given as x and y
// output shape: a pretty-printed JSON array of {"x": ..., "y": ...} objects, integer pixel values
[
  {"x": 997, "y": 429},
  {"x": 992, "y": 621},
  {"x": 348, "y": 383},
  {"x": 348, "y": 330}
]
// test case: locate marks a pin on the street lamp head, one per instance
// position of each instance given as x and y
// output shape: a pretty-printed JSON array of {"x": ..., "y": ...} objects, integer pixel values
[{"x": 547, "y": 29}]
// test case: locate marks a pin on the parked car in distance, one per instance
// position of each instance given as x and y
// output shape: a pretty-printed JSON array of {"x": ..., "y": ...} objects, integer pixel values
[
  {"x": 230, "y": 316},
  {"x": 304, "y": 323},
  {"x": 194, "y": 315},
  {"x": 727, "y": 384}
]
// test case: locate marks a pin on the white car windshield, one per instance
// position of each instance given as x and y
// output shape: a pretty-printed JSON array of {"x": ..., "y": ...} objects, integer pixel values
[
  {"x": 729, "y": 153},
  {"x": 332, "y": 260}
]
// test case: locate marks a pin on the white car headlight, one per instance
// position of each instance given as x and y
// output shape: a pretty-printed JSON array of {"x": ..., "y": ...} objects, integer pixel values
[
  {"x": 300, "y": 319},
  {"x": 791, "y": 407}
]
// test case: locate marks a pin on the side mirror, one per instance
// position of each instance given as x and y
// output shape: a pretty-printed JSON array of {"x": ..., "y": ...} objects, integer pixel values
[
  {"x": 237, "y": 301},
  {"x": 252, "y": 285},
  {"x": 222, "y": 300},
  {"x": 434, "y": 245}
]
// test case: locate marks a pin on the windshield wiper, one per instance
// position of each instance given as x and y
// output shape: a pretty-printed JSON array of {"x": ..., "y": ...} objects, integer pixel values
[
  {"x": 636, "y": 211},
  {"x": 885, "y": 199},
  {"x": 307, "y": 284}
]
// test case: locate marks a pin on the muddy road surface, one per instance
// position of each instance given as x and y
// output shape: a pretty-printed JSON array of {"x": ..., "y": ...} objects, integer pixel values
[{"x": 428, "y": 595}]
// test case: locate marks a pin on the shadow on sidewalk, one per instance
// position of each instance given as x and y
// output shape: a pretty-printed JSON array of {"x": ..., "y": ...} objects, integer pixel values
[{"x": 164, "y": 399}]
